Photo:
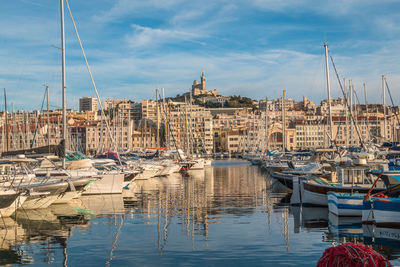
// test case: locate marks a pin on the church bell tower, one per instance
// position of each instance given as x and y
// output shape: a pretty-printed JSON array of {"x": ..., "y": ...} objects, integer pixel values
[{"x": 203, "y": 81}]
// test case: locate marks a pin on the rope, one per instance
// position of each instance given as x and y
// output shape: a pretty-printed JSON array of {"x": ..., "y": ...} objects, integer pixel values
[
  {"x": 92, "y": 79},
  {"x": 38, "y": 121},
  {"x": 347, "y": 102}
]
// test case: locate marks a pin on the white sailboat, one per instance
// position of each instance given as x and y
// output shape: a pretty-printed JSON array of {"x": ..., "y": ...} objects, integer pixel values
[{"x": 109, "y": 183}]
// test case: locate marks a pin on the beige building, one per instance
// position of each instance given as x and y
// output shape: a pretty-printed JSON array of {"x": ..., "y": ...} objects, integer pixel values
[
  {"x": 115, "y": 138},
  {"x": 149, "y": 110},
  {"x": 310, "y": 135},
  {"x": 144, "y": 138},
  {"x": 190, "y": 128},
  {"x": 232, "y": 142}
]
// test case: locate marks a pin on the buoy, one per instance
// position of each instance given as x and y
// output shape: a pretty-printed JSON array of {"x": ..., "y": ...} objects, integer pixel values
[{"x": 354, "y": 255}]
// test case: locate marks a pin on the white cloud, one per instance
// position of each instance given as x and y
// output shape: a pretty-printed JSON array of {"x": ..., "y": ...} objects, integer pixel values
[{"x": 146, "y": 36}]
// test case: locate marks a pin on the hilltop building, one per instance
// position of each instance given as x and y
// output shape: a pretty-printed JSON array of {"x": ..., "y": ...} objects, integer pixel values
[{"x": 201, "y": 89}]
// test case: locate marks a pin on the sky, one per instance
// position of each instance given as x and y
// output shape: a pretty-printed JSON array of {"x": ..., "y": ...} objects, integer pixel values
[{"x": 254, "y": 48}]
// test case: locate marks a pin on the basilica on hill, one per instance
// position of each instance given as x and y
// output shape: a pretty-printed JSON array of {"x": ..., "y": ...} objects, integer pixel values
[{"x": 200, "y": 88}]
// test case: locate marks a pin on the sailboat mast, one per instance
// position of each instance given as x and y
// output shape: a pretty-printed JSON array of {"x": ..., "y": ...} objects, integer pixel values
[
  {"x": 6, "y": 118},
  {"x": 328, "y": 86},
  {"x": 345, "y": 109},
  {"x": 64, "y": 104},
  {"x": 166, "y": 121},
  {"x": 351, "y": 112},
  {"x": 366, "y": 113},
  {"x": 356, "y": 123},
  {"x": 266, "y": 125},
  {"x": 158, "y": 125},
  {"x": 283, "y": 121},
  {"x": 48, "y": 117},
  {"x": 384, "y": 107}
]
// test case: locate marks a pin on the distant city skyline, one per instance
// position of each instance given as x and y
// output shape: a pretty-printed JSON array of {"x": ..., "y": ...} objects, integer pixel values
[{"x": 252, "y": 48}]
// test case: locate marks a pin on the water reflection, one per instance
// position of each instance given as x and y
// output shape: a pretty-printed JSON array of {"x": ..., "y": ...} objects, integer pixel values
[{"x": 228, "y": 214}]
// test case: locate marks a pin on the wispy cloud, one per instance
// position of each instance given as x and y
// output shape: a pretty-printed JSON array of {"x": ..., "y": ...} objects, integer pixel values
[{"x": 147, "y": 36}]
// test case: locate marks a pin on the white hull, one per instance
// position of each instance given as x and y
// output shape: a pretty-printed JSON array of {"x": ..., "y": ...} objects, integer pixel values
[
  {"x": 312, "y": 198},
  {"x": 108, "y": 184},
  {"x": 386, "y": 217},
  {"x": 382, "y": 212},
  {"x": 199, "y": 165}
]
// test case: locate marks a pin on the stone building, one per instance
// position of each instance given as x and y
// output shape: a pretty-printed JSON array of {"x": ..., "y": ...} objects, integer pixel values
[
  {"x": 201, "y": 89},
  {"x": 190, "y": 127}
]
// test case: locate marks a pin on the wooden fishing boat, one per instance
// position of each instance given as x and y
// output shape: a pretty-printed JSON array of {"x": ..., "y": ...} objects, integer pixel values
[{"x": 350, "y": 180}]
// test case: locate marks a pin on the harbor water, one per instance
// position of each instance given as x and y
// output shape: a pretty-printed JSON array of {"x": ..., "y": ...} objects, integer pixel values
[{"x": 229, "y": 214}]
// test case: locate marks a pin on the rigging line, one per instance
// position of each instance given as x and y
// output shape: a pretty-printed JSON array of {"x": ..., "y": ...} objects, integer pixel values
[
  {"x": 391, "y": 100},
  {"x": 91, "y": 78},
  {"x": 173, "y": 137},
  {"x": 357, "y": 99},
  {"x": 347, "y": 101},
  {"x": 37, "y": 122}
]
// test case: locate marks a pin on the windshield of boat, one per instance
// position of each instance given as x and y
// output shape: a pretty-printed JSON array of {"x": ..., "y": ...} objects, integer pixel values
[{"x": 75, "y": 156}]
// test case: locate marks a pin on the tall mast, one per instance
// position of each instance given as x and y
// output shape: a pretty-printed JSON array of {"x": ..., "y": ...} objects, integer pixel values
[
  {"x": 328, "y": 86},
  {"x": 186, "y": 129},
  {"x": 166, "y": 125},
  {"x": 366, "y": 115},
  {"x": 351, "y": 113},
  {"x": 158, "y": 125},
  {"x": 48, "y": 117},
  {"x": 191, "y": 140},
  {"x": 6, "y": 118},
  {"x": 355, "y": 108},
  {"x": 283, "y": 121},
  {"x": 266, "y": 125},
  {"x": 384, "y": 107},
  {"x": 345, "y": 110},
  {"x": 64, "y": 101}
]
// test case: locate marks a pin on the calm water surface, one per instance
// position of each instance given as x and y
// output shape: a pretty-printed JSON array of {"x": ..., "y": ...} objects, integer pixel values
[{"x": 226, "y": 215}]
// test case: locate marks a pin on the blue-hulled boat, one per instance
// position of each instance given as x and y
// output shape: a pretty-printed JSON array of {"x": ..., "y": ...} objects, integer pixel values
[
  {"x": 382, "y": 211},
  {"x": 345, "y": 204}
]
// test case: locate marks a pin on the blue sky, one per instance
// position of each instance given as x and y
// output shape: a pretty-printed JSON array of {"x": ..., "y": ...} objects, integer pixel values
[{"x": 254, "y": 48}]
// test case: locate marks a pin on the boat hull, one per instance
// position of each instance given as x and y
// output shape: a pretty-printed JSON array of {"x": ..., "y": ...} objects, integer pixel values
[
  {"x": 199, "y": 165},
  {"x": 345, "y": 204},
  {"x": 108, "y": 184},
  {"x": 316, "y": 194},
  {"x": 383, "y": 212}
]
